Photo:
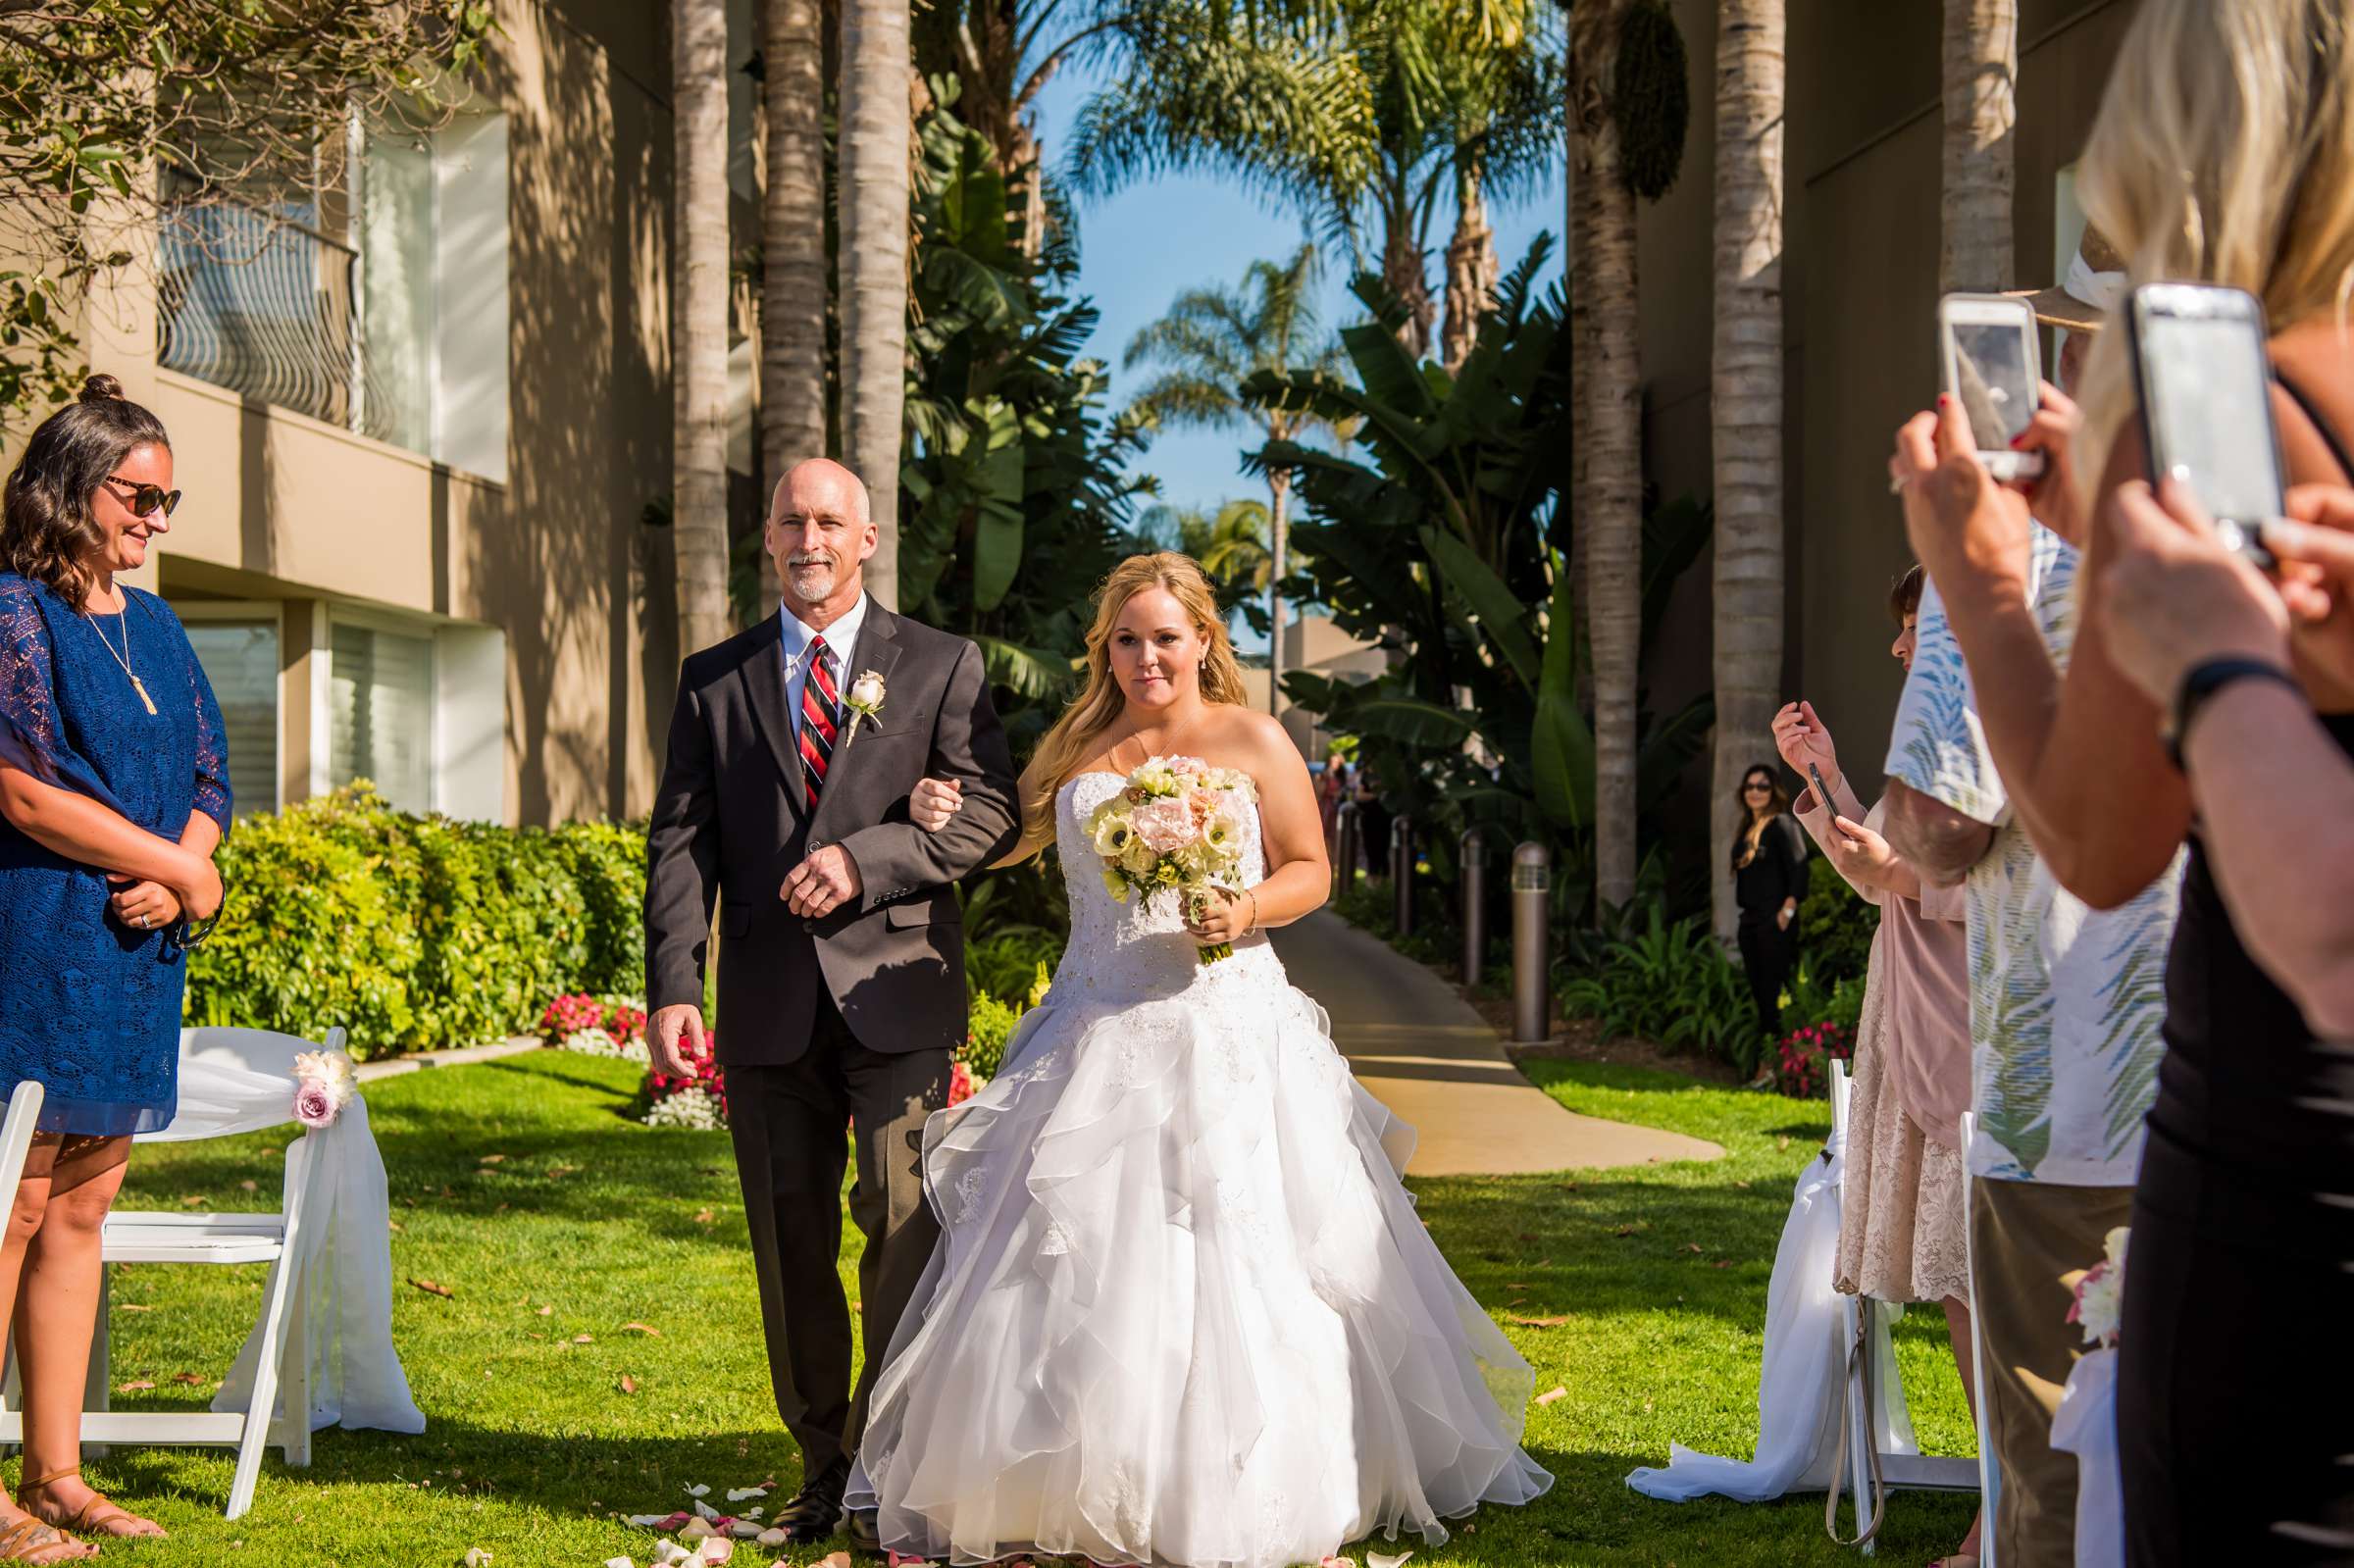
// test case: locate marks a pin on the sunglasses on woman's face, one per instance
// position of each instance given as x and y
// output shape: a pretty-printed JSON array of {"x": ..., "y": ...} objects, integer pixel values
[
  {"x": 1757, "y": 786},
  {"x": 146, "y": 498}
]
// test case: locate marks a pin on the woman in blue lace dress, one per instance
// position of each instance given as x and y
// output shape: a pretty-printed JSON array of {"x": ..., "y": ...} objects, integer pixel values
[{"x": 113, "y": 797}]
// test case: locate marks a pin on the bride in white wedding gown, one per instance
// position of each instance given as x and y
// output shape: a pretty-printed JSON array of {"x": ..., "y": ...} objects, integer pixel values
[{"x": 1182, "y": 1311}]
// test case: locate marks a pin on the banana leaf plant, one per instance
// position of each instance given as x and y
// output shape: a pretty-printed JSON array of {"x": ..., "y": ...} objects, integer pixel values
[
  {"x": 1443, "y": 535},
  {"x": 1017, "y": 497}
]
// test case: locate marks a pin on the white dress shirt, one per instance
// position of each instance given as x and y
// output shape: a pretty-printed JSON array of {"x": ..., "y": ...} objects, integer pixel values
[{"x": 794, "y": 648}]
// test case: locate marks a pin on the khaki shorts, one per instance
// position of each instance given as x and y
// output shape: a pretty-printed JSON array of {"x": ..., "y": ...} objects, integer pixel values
[{"x": 2024, "y": 1235}]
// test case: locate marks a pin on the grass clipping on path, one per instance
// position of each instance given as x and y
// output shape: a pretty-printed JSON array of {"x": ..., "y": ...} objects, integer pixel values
[{"x": 598, "y": 1351}]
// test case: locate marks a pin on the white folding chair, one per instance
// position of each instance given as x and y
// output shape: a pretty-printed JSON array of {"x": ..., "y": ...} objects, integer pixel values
[
  {"x": 1865, "y": 1438},
  {"x": 219, "y": 1238},
  {"x": 15, "y": 1138}
]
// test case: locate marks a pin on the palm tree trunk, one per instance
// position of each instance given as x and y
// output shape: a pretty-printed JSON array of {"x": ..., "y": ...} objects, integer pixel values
[
  {"x": 1609, "y": 499},
  {"x": 792, "y": 225},
  {"x": 875, "y": 152},
  {"x": 1472, "y": 269},
  {"x": 1402, "y": 271},
  {"x": 1746, "y": 397},
  {"x": 699, "y": 321},
  {"x": 1279, "y": 498},
  {"x": 1982, "y": 79}
]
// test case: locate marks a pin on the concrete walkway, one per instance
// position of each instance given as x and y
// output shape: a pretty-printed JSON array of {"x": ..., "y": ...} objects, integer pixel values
[{"x": 1423, "y": 1053}]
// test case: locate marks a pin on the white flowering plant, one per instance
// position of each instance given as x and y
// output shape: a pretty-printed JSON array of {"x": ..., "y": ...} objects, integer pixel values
[
  {"x": 1175, "y": 828},
  {"x": 2099, "y": 1293}
]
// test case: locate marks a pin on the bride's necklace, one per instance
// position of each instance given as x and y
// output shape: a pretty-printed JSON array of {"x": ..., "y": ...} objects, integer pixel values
[{"x": 123, "y": 658}]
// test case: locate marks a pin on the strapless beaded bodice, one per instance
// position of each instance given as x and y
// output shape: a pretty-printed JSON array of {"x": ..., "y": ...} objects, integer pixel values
[{"x": 1141, "y": 948}]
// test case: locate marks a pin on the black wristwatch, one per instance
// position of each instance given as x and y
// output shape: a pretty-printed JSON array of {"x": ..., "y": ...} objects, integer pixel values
[{"x": 2204, "y": 681}]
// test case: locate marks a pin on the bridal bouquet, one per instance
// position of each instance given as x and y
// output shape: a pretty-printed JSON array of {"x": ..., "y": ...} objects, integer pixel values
[{"x": 1176, "y": 828}]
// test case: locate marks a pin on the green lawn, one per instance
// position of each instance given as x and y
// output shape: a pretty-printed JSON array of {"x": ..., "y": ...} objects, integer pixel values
[{"x": 535, "y": 1450}]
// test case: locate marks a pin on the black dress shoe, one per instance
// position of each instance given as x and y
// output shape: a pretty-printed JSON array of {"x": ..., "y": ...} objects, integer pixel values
[
  {"x": 815, "y": 1512},
  {"x": 865, "y": 1526}
]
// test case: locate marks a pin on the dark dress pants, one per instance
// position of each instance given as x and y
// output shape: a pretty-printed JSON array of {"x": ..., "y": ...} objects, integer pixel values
[
  {"x": 790, "y": 1152},
  {"x": 1766, "y": 955}
]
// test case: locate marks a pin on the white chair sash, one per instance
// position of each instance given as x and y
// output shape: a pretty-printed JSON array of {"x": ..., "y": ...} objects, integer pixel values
[
  {"x": 2085, "y": 1425},
  {"x": 343, "y": 1251},
  {"x": 1801, "y": 1388}
]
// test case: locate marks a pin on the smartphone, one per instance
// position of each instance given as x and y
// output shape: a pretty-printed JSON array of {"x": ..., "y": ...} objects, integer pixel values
[
  {"x": 1992, "y": 366},
  {"x": 1822, "y": 796},
  {"x": 2207, "y": 404}
]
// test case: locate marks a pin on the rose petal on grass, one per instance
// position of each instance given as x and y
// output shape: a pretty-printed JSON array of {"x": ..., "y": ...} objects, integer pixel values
[
  {"x": 1556, "y": 1391},
  {"x": 738, "y": 1494},
  {"x": 715, "y": 1550},
  {"x": 493, "y": 1159},
  {"x": 770, "y": 1537},
  {"x": 477, "y": 1558},
  {"x": 133, "y": 1306},
  {"x": 249, "y": 1184},
  {"x": 619, "y": 1562},
  {"x": 1537, "y": 1323},
  {"x": 138, "y": 1385},
  {"x": 1375, "y": 1560},
  {"x": 835, "y": 1559},
  {"x": 433, "y": 1288},
  {"x": 591, "y": 1338},
  {"x": 669, "y": 1552},
  {"x": 647, "y": 1328},
  {"x": 695, "y": 1529},
  {"x": 744, "y": 1530},
  {"x": 629, "y": 1385},
  {"x": 705, "y": 1217},
  {"x": 546, "y": 1312}
]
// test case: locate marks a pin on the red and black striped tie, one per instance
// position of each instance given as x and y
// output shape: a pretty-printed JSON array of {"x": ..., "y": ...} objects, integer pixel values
[{"x": 821, "y": 717}]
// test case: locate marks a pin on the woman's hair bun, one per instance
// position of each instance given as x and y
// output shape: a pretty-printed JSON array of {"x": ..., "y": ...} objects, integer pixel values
[{"x": 100, "y": 387}]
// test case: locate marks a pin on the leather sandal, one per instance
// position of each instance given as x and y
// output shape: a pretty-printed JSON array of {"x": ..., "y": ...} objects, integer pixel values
[
  {"x": 28, "y": 1537},
  {"x": 97, "y": 1517}
]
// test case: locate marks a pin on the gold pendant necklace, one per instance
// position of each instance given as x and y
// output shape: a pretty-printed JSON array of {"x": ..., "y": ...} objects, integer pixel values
[{"x": 123, "y": 658}]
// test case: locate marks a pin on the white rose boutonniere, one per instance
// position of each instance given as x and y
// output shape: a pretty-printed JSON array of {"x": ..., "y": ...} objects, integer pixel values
[{"x": 865, "y": 701}]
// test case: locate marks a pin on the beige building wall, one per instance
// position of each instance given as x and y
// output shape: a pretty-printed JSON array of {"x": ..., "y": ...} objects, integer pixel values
[
  {"x": 1313, "y": 645},
  {"x": 549, "y": 566},
  {"x": 1861, "y": 243}
]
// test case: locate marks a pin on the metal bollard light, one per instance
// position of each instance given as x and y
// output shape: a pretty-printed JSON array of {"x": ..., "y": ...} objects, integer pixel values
[
  {"x": 1532, "y": 900},
  {"x": 1344, "y": 861},
  {"x": 1402, "y": 874},
  {"x": 1475, "y": 904}
]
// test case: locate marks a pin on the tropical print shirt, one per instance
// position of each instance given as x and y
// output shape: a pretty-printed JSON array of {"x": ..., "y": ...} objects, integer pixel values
[{"x": 2064, "y": 1002}]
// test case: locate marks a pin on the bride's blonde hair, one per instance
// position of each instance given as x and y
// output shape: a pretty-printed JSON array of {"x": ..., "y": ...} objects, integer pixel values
[
  {"x": 2222, "y": 153},
  {"x": 1072, "y": 740}
]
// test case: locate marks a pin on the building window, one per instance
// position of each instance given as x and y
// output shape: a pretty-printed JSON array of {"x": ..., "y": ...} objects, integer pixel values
[
  {"x": 240, "y": 660},
  {"x": 380, "y": 713},
  {"x": 433, "y": 239},
  {"x": 374, "y": 297}
]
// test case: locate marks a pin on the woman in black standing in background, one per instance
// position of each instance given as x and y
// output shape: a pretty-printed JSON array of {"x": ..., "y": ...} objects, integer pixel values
[{"x": 1770, "y": 878}]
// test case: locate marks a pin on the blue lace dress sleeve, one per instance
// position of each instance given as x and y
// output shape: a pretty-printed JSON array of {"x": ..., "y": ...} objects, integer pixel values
[
  {"x": 213, "y": 797},
  {"x": 92, "y": 704}
]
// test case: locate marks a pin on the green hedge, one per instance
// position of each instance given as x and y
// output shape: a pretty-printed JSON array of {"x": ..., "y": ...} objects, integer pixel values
[{"x": 414, "y": 931}]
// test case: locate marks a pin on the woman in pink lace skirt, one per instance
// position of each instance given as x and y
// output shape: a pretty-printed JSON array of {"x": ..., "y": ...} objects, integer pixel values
[{"x": 1902, "y": 1226}]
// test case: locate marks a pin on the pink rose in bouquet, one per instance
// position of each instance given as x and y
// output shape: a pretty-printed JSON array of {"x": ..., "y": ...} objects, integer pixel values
[{"x": 1165, "y": 826}]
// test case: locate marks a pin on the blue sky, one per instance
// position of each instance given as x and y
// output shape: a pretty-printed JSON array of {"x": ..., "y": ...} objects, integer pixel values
[{"x": 1143, "y": 248}]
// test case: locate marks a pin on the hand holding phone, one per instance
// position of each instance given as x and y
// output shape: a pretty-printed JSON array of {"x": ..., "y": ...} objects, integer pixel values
[
  {"x": 1992, "y": 367},
  {"x": 2207, "y": 407}
]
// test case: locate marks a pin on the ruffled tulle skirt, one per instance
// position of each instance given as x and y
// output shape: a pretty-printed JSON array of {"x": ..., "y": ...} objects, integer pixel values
[{"x": 1183, "y": 1311}]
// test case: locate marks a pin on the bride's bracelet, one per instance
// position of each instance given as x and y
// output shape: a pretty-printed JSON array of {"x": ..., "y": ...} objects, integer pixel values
[{"x": 1252, "y": 896}]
